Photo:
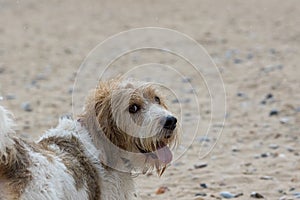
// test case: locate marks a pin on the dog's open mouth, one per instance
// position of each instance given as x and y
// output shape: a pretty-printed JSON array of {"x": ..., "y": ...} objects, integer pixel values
[{"x": 162, "y": 153}]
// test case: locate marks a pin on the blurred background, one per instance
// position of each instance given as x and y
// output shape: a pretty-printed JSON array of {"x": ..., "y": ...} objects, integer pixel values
[{"x": 255, "y": 45}]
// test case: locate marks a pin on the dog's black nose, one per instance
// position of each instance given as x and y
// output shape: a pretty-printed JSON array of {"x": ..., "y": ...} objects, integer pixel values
[{"x": 170, "y": 123}]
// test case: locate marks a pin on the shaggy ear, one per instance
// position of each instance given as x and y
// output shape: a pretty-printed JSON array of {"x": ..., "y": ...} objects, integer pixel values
[{"x": 98, "y": 120}]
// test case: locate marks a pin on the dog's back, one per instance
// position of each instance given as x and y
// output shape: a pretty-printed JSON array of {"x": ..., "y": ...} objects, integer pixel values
[
  {"x": 55, "y": 168},
  {"x": 14, "y": 161}
]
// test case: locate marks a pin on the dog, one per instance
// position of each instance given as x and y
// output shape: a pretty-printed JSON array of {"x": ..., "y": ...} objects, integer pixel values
[{"x": 125, "y": 129}]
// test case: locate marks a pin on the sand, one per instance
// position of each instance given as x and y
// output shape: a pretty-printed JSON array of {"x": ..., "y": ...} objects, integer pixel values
[{"x": 255, "y": 45}]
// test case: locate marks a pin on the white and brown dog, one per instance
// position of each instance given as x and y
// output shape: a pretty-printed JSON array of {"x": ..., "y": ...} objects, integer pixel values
[{"x": 125, "y": 129}]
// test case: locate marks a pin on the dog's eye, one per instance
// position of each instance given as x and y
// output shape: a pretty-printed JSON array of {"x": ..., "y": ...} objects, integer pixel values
[
  {"x": 157, "y": 99},
  {"x": 134, "y": 108}
]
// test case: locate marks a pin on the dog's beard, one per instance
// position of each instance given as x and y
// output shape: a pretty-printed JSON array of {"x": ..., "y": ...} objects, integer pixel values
[{"x": 157, "y": 151}]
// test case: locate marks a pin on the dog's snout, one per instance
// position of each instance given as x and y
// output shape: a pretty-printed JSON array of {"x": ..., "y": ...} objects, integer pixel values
[{"x": 170, "y": 123}]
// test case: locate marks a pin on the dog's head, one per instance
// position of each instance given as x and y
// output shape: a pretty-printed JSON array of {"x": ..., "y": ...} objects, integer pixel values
[{"x": 132, "y": 116}]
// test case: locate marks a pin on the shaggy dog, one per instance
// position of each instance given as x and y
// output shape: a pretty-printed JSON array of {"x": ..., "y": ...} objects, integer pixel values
[{"x": 125, "y": 129}]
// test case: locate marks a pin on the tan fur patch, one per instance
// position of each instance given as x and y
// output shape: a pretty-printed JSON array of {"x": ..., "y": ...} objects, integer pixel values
[
  {"x": 79, "y": 165},
  {"x": 16, "y": 170}
]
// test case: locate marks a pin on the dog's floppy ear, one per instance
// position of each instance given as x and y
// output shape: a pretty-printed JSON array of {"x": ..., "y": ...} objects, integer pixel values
[{"x": 98, "y": 119}]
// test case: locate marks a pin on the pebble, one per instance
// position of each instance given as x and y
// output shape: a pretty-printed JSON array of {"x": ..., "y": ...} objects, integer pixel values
[
  {"x": 269, "y": 96},
  {"x": 26, "y": 106},
  {"x": 203, "y": 139},
  {"x": 263, "y": 102},
  {"x": 297, "y": 195},
  {"x": 290, "y": 149},
  {"x": 241, "y": 94},
  {"x": 250, "y": 56},
  {"x": 273, "y": 146},
  {"x": 229, "y": 195},
  {"x": 1, "y": 98},
  {"x": 266, "y": 178},
  {"x": 292, "y": 189},
  {"x": 1, "y": 70},
  {"x": 203, "y": 185},
  {"x": 265, "y": 155},
  {"x": 273, "y": 112},
  {"x": 237, "y": 61},
  {"x": 256, "y": 195},
  {"x": 202, "y": 194},
  {"x": 10, "y": 96},
  {"x": 272, "y": 68},
  {"x": 162, "y": 190},
  {"x": 298, "y": 109},
  {"x": 235, "y": 149},
  {"x": 284, "y": 120},
  {"x": 272, "y": 51},
  {"x": 175, "y": 101},
  {"x": 229, "y": 54},
  {"x": 199, "y": 166},
  {"x": 186, "y": 80},
  {"x": 282, "y": 198}
]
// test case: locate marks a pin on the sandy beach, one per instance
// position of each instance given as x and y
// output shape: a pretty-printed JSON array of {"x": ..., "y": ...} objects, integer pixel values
[{"x": 255, "y": 46}]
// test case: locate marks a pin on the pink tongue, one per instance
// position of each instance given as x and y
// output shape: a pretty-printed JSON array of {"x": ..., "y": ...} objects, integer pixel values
[{"x": 164, "y": 155}]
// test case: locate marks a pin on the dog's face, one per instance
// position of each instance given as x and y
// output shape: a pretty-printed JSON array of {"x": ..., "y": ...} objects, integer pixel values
[{"x": 135, "y": 118}]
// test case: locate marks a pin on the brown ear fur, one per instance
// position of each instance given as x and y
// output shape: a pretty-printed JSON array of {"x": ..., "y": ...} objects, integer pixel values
[{"x": 98, "y": 119}]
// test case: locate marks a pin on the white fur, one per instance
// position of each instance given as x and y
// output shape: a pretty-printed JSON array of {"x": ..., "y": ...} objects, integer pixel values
[
  {"x": 51, "y": 180},
  {"x": 6, "y": 133}
]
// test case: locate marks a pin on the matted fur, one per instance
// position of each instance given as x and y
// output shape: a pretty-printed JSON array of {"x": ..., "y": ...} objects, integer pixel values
[{"x": 95, "y": 156}]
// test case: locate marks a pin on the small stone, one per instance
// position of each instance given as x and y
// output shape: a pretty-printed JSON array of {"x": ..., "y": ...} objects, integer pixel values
[
  {"x": 273, "y": 146},
  {"x": 273, "y": 112},
  {"x": 2, "y": 69},
  {"x": 186, "y": 80},
  {"x": 271, "y": 68},
  {"x": 237, "y": 61},
  {"x": 298, "y": 109},
  {"x": 272, "y": 51},
  {"x": 227, "y": 195},
  {"x": 203, "y": 139},
  {"x": 10, "y": 96},
  {"x": 26, "y": 106},
  {"x": 203, "y": 185},
  {"x": 162, "y": 190},
  {"x": 297, "y": 195},
  {"x": 284, "y": 120},
  {"x": 281, "y": 191},
  {"x": 187, "y": 100},
  {"x": 202, "y": 194},
  {"x": 199, "y": 166},
  {"x": 241, "y": 94},
  {"x": 266, "y": 178},
  {"x": 265, "y": 155},
  {"x": 291, "y": 189},
  {"x": 282, "y": 198},
  {"x": 235, "y": 149},
  {"x": 269, "y": 96},
  {"x": 250, "y": 56},
  {"x": 263, "y": 102},
  {"x": 290, "y": 149},
  {"x": 256, "y": 195},
  {"x": 175, "y": 101},
  {"x": 229, "y": 54},
  {"x": 68, "y": 51}
]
